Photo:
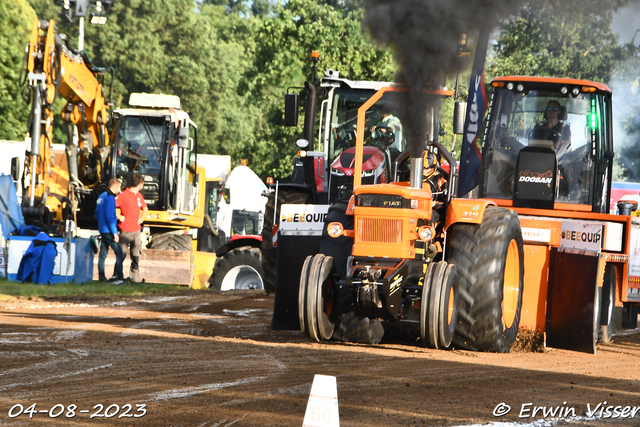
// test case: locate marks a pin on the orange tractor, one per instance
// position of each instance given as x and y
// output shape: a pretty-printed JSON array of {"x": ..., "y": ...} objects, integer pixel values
[{"x": 538, "y": 249}]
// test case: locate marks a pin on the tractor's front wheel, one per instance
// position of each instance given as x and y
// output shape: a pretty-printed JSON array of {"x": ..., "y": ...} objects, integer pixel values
[
  {"x": 439, "y": 305},
  {"x": 489, "y": 259},
  {"x": 325, "y": 312}
]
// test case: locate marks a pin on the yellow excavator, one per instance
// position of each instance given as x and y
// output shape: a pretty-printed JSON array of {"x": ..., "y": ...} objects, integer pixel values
[{"x": 53, "y": 181}]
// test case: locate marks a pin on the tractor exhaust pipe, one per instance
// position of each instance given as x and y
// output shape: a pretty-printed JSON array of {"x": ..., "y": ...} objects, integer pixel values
[
  {"x": 417, "y": 165},
  {"x": 309, "y": 131}
]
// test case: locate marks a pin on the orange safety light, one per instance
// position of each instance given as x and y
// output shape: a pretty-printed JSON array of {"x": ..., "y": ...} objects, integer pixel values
[
  {"x": 269, "y": 180},
  {"x": 497, "y": 84},
  {"x": 588, "y": 89},
  {"x": 243, "y": 162},
  {"x": 315, "y": 54}
]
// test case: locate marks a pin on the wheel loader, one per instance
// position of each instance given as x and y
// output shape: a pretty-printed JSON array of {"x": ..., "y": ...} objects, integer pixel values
[{"x": 536, "y": 250}]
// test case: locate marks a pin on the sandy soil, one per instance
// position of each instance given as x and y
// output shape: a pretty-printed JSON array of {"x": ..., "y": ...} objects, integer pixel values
[{"x": 207, "y": 359}]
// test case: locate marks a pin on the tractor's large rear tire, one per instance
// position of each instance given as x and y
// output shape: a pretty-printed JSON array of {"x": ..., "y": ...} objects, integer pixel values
[
  {"x": 172, "y": 242},
  {"x": 607, "y": 305},
  {"x": 269, "y": 252},
  {"x": 240, "y": 268},
  {"x": 489, "y": 260}
]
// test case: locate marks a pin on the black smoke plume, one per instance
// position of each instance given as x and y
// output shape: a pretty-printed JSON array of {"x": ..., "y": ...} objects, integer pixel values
[{"x": 425, "y": 37}]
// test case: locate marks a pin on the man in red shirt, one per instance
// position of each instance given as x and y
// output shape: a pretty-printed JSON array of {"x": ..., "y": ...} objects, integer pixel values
[{"x": 134, "y": 210}]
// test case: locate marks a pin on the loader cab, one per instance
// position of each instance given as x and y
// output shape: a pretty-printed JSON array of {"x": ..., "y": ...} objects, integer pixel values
[
  {"x": 548, "y": 144},
  {"x": 159, "y": 142}
]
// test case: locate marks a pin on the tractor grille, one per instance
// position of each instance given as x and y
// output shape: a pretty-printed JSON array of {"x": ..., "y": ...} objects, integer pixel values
[
  {"x": 382, "y": 201},
  {"x": 379, "y": 230}
]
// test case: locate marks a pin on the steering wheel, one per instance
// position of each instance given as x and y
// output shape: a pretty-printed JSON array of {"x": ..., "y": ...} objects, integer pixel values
[
  {"x": 543, "y": 132},
  {"x": 383, "y": 135}
]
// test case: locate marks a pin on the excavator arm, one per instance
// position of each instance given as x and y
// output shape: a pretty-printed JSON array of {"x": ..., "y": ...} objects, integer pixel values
[{"x": 52, "y": 181}]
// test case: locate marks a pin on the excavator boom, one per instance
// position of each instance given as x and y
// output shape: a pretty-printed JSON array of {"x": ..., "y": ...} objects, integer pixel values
[{"x": 53, "y": 185}]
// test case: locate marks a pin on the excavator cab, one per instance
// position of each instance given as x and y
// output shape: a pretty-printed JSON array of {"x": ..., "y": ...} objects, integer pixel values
[{"x": 547, "y": 144}]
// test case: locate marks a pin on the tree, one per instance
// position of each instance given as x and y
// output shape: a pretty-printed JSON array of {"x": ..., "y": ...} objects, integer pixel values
[
  {"x": 19, "y": 17},
  {"x": 285, "y": 41},
  {"x": 560, "y": 38},
  {"x": 573, "y": 38},
  {"x": 626, "y": 128}
]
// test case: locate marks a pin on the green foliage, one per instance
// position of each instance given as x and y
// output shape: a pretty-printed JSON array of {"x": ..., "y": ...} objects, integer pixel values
[
  {"x": 626, "y": 103},
  {"x": 283, "y": 59},
  {"x": 16, "y": 17},
  {"x": 231, "y": 61},
  {"x": 560, "y": 38}
]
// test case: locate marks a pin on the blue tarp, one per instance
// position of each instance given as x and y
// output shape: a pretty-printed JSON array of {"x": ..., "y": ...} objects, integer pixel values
[
  {"x": 38, "y": 261},
  {"x": 10, "y": 212}
]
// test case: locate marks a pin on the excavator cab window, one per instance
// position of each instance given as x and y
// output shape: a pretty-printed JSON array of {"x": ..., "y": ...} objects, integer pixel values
[{"x": 543, "y": 118}]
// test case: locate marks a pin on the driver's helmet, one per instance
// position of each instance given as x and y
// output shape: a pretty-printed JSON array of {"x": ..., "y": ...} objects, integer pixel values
[{"x": 430, "y": 164}]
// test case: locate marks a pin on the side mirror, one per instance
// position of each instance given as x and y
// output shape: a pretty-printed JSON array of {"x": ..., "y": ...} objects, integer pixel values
[
  {"x": 183, "y": 137},
  {"x": 15, "y": 168},
  {"x": 459, "y": 111},
  {"x": 291, "y": 109}
]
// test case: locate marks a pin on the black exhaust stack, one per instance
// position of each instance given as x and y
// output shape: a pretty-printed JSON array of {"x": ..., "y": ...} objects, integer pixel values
[{"x": 309, "y": 131}]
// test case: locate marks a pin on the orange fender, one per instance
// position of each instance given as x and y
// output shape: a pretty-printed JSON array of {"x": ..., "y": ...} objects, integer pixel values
[{"x": 468, "y": 211}]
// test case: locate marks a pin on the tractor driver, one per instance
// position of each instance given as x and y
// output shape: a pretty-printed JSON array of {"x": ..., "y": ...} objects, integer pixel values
[
  {"x": 388, "y": 128},
  {"x": 555, "y": 128},
  {"x": 438, "y": 184}
]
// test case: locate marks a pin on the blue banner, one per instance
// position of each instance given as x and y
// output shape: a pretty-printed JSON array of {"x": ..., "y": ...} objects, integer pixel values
[{"x": 476, "y": 107}]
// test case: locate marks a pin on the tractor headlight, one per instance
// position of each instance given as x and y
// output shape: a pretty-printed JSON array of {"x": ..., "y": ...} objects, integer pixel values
[
  {"x": 337, "y": 172},
  {"x": 366, "y": 174},
  {"x": 426, "y": 233},
  {"x": 335, "y": 229}
]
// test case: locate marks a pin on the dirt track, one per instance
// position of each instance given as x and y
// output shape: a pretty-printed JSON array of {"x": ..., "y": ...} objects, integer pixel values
[{"x": 212, "y": 360}]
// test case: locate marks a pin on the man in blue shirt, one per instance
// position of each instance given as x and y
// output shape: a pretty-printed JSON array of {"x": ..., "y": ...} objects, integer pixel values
[{"x": 108, "y": 226}]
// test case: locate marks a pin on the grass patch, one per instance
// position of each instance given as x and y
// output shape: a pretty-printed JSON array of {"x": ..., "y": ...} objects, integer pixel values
[{"x": 29, "y": 290}]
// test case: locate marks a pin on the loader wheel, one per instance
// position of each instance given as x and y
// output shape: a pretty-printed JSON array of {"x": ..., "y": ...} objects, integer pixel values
[
  {"x": 489, "y": 260},
  {"x": 240, "y": 268},
  {"x": 607, "y": 305},
  {"x": 439, "y": 305},
  {"x": 172, "y": 242},
  {"x": 269, "y": 252}
]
